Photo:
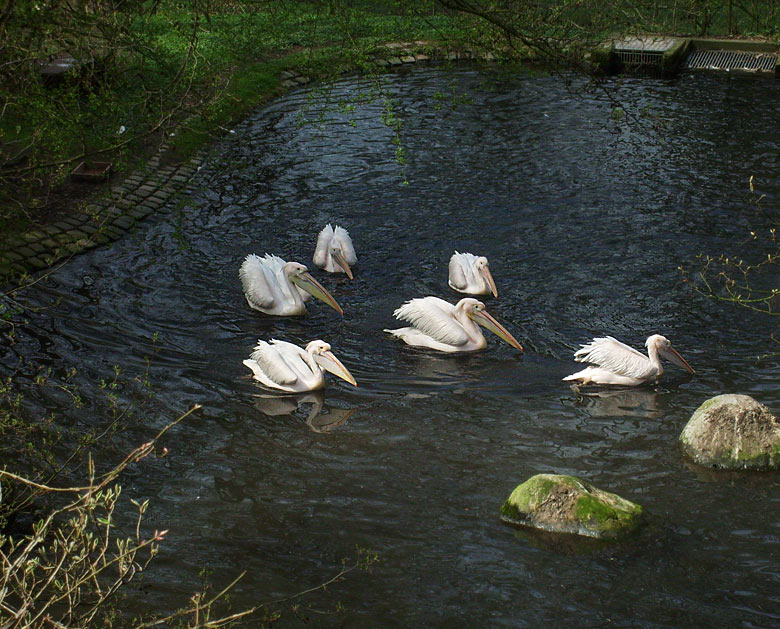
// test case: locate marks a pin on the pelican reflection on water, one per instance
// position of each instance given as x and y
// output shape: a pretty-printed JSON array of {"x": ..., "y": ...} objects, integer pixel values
[
  {"x": 622, "y": 402},
  {"x": 320, "y": 418}
]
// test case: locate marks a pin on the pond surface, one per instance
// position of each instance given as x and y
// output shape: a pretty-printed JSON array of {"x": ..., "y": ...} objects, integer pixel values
[{"x": 585, "y": 217}]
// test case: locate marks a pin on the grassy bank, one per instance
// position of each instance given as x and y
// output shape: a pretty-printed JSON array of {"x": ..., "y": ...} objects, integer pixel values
[
  {"x": 149, "y": 74},
  {"x": 175, "y": 75}
]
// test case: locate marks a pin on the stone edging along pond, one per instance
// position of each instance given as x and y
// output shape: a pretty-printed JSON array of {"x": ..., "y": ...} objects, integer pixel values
[{"x": 142, "y": 194}]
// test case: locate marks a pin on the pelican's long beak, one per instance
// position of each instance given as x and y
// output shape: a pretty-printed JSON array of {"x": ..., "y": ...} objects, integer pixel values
[
  {"x": 489, "y": 323},
  {"x": 486, "y": 274},
  {"x": 306, "y": 282},
  {"x": 673, "y": 356},
  {"x": 343, "y": 263},
  {"x": 329, "y": 362}
]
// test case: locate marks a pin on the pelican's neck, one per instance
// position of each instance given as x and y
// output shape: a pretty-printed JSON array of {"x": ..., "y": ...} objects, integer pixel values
[
  {"x": 317, "y": 374},
  {"x": 309, "y": 359},
  {"x": 468, "y": 324},
  {"x": 293, "y": 292},
  {"x": 655, "y": 358},
  {"x": 333, "y": 264}
]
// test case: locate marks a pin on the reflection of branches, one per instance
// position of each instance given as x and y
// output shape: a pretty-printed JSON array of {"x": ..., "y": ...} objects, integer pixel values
[
  {"x": 68, "y": 570},
  {"x": 738, "y": 281}
]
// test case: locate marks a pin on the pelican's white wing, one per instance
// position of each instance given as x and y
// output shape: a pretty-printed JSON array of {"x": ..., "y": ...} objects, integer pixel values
[
  {"x": 434, "y": 317},
  {"x": 457, "y": 271},
  {"x": 279, "y": 361},
  {"x": 463, "y": 271},
  {"x": 610, "y": 354},
  {"x": 258, "y": 281},
  {"x": 321, "y": 251},
  {"x": 347, "y": 248}
]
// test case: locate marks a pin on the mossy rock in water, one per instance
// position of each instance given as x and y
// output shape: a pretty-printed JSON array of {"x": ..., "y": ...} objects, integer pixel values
[
  {"x": 733, "y": 432},
  {"x": 565, "y": 504}
]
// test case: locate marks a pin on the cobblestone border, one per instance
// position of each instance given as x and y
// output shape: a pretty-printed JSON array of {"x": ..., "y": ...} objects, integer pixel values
[
  {"x": 142, "y": 194},
  {"x": 127, "y": 203}
]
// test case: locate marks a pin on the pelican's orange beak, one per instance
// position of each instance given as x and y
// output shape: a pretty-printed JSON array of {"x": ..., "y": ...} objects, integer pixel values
[
  {"x": 306, "y": 282},
  {"x": 342, "y": 263},
  {"x": 489, "y": 278},
  {"x": 489, "y": 323}
]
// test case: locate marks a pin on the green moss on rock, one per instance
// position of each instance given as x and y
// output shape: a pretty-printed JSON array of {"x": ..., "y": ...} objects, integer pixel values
[
  {"x": 566, "y": 504},
  {"x": 733, "y": 432}
]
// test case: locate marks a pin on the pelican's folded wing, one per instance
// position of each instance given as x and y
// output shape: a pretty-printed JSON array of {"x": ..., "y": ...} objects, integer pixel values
[
  {"x": 271, "y": 360},
  {"x": 610, "y": 354},
  {"x": 323, "y": 242},
  {"x": 434, "y": 317},
  {"x": 457, "y": 271},
  {"x": 255, "y": 282}
]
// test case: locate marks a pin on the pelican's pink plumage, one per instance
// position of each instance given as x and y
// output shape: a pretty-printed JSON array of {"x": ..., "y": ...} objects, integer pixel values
[
  {"x": 292, "y": 369},
  {"x": 618, "y": 364},
  {"x": 440, "y": 325}
]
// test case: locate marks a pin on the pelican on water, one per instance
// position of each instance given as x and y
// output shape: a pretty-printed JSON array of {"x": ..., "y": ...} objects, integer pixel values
[
  {"x": 276, "y": 287},
  {"x": 617, "y": 363},
  {"x": 439, "y": 325},
  {"x": 334, "y": 252},
  {"x": 287, "y": 367},
  {"x": 471, "y": 274}
]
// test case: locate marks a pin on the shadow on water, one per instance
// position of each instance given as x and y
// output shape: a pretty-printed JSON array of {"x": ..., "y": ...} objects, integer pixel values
[{"x": 584, "y": 219}]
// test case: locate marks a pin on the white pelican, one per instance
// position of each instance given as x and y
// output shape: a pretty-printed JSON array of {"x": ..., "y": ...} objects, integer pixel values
[
  {"x": 440, "y": 325},
  {"x": 471, "y": 274},
  {"x": 287, "y": 367},
  {"x": 619, "y": 364},
  {"x": 334, "y": 251},
  {"x": 276, "y": 287}
]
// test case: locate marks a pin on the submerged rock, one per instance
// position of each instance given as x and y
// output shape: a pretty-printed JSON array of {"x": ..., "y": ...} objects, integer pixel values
[
  {"x": 733, "y": 432},
  {"x": 565, "y": 504}
]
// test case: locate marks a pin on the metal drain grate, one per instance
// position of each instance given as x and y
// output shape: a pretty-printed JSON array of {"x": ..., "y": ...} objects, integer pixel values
[
  {"x": 728, "y": 60},
  {"x": 640, "y": 60},
  {"x": 642, "y": 55}
]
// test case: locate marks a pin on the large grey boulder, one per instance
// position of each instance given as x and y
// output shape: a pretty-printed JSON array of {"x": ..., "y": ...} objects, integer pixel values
[
  {"x": 733, "y": 432},
  {"x": 565, "y": 504}
]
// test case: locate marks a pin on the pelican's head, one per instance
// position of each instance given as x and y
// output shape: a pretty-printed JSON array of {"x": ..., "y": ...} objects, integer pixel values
[
  {"x": 320, "y": 351},
  {"x": 663, "y": 346},
  {"x": 337, "y": 254},
  {"x": 483, "y": 269},
  {"x": 475, "y": 310},
  {"x": 300, "y": 276}
]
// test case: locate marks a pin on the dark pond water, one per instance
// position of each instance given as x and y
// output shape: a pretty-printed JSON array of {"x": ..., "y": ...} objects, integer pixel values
[{"x": 585, "y": 218}]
